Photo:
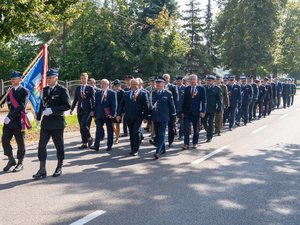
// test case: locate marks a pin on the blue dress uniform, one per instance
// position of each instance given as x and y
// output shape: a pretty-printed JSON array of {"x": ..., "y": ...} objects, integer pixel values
[
  {"x": 57, "y": 101},
  {"x": 194, "y": 103},
  {"x": 268, "y": 99},
  {"x": 252, "y": 108},
  {"x": 234, "y": 92},
  {"x": 162, "y": 111},
  {"x": 135, "y": 105},
  {"x": 261, "y": 99},
  {"x": 12, "y": 125},
  {"x": 172, "y": 123},
  {"x": 247, "y": 95},
  {"x": 213, "y": 106},
  {"x": 105, "y": 106},
  {"x": 278, "y": 94},
  {"x": 84, "y": 98},
  {"x": 294, "y": 89},
  {"x": 286, "y": 92}
]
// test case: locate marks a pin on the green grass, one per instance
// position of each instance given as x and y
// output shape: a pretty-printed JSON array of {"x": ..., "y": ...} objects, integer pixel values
[{"x": 70, "y": 120}]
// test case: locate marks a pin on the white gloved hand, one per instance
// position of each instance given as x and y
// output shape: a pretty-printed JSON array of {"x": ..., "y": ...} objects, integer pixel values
[
  {"x": 38, "y": 123},
  {"x": 47, "y": 111},
  {"x": 6, "y": 120}
]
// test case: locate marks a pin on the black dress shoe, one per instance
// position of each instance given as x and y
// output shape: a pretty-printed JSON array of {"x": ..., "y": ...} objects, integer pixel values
[
  {"x": 133, "y": 153},
  {"x": 90, "y": 142},
  {"x": 156, "y": 156},
  {"x": 11, "y": 163},
  {"x": 41, "y": 174},
  {"x": 108, "y": 149},
  {"x": 208, "y": 140},
  {"x": 83, "y": 146},
  {"x": 124, "y": 135},
  {"x": 153, "y": 143},
  {"x": 95, "y": 148},
  {"x": 18, "y": 168},
  {"x": 57, "y": 172}
]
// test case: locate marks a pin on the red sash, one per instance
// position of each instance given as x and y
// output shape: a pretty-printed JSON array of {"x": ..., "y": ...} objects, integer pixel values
[{"x": 25, "y": 123}]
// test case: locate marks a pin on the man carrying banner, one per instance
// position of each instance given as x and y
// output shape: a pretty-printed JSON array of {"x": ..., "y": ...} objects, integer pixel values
[
  {"x": 55, "y": 102},
  {"x": 15, "y": 122}
]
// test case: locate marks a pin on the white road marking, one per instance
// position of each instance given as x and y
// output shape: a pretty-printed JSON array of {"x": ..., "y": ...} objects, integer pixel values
[
  {"x": 259, "y": 129},
  {"x": 89, "y": 217},
  {"x": 210, "y": 155},
  {"x": 283, "y": 116}
]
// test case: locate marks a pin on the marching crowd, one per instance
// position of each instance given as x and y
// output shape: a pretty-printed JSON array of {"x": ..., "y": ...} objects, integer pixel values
[{"x": 180, "y": 108}]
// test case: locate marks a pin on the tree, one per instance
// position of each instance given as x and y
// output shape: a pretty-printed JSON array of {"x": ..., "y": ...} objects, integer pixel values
[
  {"x": 30, "y": 16},
  {"x": 197, "y": 60},
  {"x": 246, "y": 34}
]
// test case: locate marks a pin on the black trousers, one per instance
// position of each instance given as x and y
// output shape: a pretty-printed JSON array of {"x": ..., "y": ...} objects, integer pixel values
[
  {"x": 99, "y": 132},
  {"x": 135, "y": 134},
  {"x": 7, "y": 135},
  {"x": 58, "y": 139},
  {"x": 266, "y": 107},
  {"x": 171, "y": 131},
  {"x": 84, "y": 121},
  {"x": 208, "y": 123},
  {"x": 125, "y": 131}
]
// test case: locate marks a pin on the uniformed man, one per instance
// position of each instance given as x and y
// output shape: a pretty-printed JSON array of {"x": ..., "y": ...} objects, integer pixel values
[
  {"x": 162, "y": 111},
  {"x": 278, "y": 86},
  {"x": 172, "y": 123},
  {"x": 180, "y": 90},
  {"x": 234, "y": 92},
  {"x": 225, "y": 104},
  {"x": 105, "y": 111},
  {"x": 84, "y": 98},
  {"x": 294, "y": 89},
  {"x": 92, "y": 82},
  {"x": 286, "y": 92},
  {"x": 268, "y": 98},
  {"x": 135, "y": 107},
  {"x": 193, "y": 108},
  {"x": 247, "y": 94},
  {"x": 120, "y": 93},
  {"x": 15, "y": 122},
  {"x": 213, "y": 106},
  {"x": 260, "y": 99},
  {"x": 150, "y": 89},
  {"x": 252, "y": 111},
  {"x": 55, "y": 101}
]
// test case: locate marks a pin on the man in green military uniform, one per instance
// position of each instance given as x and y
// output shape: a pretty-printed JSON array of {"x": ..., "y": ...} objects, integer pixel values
[{"x": 225, "y": 104}]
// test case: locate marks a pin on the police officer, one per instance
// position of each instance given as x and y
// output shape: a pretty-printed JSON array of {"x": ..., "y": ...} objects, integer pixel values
[
  {"x": 234, "y": 92},
  {"x": 247, "y": 93},
  {"x": 54, "y": 103},
  {"x": 135, "y": 107},
  {"x": 268, "y": 97},
  {"x": 16, "y": 100},
  {"x": 172, "y": 123},
  {"x": 193, "y": 108},
  {"x": 180, "y": 90},
  {"x": 120, "y": 93},
  {"x": 225, "y": 104},
  {"x": 252, "y": 111},
  {"x": 162, "y": 111},
  {"x": 278, "y": 86},
  {"x": 105, "y": 111},
  {"x": 84, "y": 98},
  {"x": 294, "y": 89},
  {"x": 260, "y": 99},
  {"x": 213, "y": 106},
  {"x": 286, "y": 92}
]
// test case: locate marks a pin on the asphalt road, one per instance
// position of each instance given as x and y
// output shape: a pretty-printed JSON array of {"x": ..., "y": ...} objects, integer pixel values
[{"x": 248, "y": 176}]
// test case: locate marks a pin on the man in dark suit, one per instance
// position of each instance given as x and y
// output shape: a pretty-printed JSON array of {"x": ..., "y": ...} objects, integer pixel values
[
  {"x": 127, "y": 79},
  {"x": 135, "y": 106},
  {"x": 294, "y": 90},
  {"x": 213, "y": 106},
  {"x": 85, "y": 97},
  {"x": 172, "y": 124},
  {"x": 193, "y": 108},
  {"x": 54, "y": 103},
  {"x": 105, "y": 111},
  {"x": 278, "y": 86},
  {"x": 234, "y": 92},
  {"x": 247, "y": 95},
  {"x": 261, "y": 98},
  {"x": 180, "y": 90},
  {"x": 162, "y": 111},
  {"x": 286, "y": 93},
  {"x": 16, "y": 100},
  {"x": 252, "y": 111},
  {"x": 268, "y": 97}
]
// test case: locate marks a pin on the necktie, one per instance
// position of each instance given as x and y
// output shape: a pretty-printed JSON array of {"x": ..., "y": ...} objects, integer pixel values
[{"x": 193, "y": 91}]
